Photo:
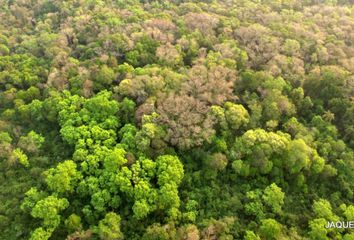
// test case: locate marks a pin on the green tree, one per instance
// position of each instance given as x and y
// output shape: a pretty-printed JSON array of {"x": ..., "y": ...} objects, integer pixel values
[
  {"x": 63, "y": 178},
  {"x": 103, "y": 78},
  {"x": 274, "y": 197},
  {"x": 109, "y": 227},
  {"x": 270, "y": 229}
]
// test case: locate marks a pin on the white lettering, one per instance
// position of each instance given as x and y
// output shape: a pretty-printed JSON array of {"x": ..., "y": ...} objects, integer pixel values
[
  {"x": 330, "y": 225},
  {"x": 340, "y": 224},
  {"x": 345, "y": 224},
  {"x": 351, "y": 224}
]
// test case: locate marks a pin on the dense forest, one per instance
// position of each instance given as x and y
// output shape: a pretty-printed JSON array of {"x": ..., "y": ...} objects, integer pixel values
[{"x": 181, "y": 119}]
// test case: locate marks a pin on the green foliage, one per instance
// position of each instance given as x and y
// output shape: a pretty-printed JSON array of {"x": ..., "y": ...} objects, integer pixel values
[
  {"x": 323, "y": 209},
  {"x": 19, "y": 156},
  {"x": 274, "y": 197},
  {"x": 176, "y": 119},
  {"x": 158, "y": 232},
  {"x": 31, "y": 143},
  {"x": 317, "y": 230},
  {"x": 40, "y": 233},
  {"x": 21, "y": 71},
  {"x": 143, "y": 52},
  {"x": 270, "y": 229},
  {"x": 73, "y": 223},
  {"x": 32, "y": 197},
  {"x": 170, "y": 170},
  {"x": 250, "y": 235},
  {"x": 4, "y": 50},
  {"x": 63, "y": 178},
  {"x": 109, "y": 227},
  {"x": 231, "y": 117},
  {"x": 48, "y": 209},
  {"x": 104, "y": 77},
  {"x": 260, "y": 147}
]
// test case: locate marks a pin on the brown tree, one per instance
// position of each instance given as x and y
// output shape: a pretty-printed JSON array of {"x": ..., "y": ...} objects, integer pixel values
[
  {"x": 203, "y": 22},
  {"x": 186, "y": 120},
  {"x": 161, "y": 30},
  {"x": 213, "y": 86},
  {"x": 260, "y": 45}
]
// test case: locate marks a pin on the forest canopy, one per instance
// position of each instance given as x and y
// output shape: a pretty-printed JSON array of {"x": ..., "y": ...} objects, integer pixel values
[{"x": 181, "y": 119}]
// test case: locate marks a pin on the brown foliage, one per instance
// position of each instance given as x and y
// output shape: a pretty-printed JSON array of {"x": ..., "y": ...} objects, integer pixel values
[
  {"x": 87, "y": 88},
  {"x": 203, "y": 22},
  {"x": 291, "y": 68},
  {"x": 147, "y": 108},
  {"x": 80, "y": 235},
  {"x": 5, "y": 150},
  {"x": 189, "y": 232},
  {"x": 186, "y": 120},
  {"x": 218, "y": 161},
  {"x": 218, "y": 229},
  {"x": 213, "y": 86},
  {"x": 169, "y": 55},
  {"x": 161, "y": 30},
  {"x": 259, "y": 44},
  {"x": 58, "y": 80}
]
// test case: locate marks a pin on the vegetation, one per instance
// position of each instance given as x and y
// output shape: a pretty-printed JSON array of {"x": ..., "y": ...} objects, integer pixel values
[{"x": 213, "y": 119}]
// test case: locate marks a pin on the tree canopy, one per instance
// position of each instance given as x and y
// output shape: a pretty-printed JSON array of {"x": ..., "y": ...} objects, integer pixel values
[{"x": 182, "y": 119}]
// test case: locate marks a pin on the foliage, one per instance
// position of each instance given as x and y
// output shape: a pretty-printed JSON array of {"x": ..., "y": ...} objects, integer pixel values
[{"x": 176, "y": 119}]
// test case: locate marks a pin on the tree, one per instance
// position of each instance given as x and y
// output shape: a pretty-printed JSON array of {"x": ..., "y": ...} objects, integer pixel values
[
  {"x": 48, "y": 210},
  {"x": 317, "y": 230},
  {"x": 39, "y": 234},
  {"x": 323, "y": 209},
  {"x": 63, "y": 178},
  {"x": 260, "y": 44},
  {"x": 213, "y": 86},
  {"x": 160, "y": 29},
  {"x": 170, "y": 169},
  {"x": 273, "y": 197},
  {"x": 329, "y": 81},
  {"x": 298, "y": 156},
  {"x": 169, "y": 55},
  {"x": 169, "y": 176},
  {"x": 270, "y": 229},
  {"x": 109, "y": 227},
  {"x": 291, "y": 47},
  {"x": 188, "y": 232},
  {"x": 158, "y": 232},
  {"x": 5, "y": 144},
  {"x": 231, "y": 117},
  {"x": 73, "y": 223},
  {"x": 186, "y": 121},
  {"x": 203, "y": 22},
  {"x": 258, "y": 148},
  {"x": 219, "y": 229},
  {"x": 143, "y": 52},
  {"x": 103, "y": 78},
  {"x": 144, "y": 117},
  {"x": 250, "y": 235},
  {"x": 217, "y": 161},
  {"x": 20, "y": 156}
]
